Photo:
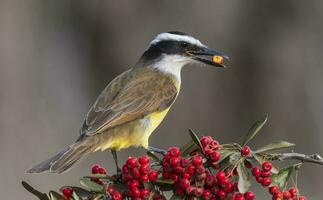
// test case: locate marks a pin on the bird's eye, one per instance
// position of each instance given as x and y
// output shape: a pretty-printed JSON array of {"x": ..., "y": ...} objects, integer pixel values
[{"x": 184, "y": 44}]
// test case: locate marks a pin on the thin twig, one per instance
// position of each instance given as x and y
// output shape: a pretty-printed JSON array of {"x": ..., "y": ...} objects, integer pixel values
[{"x": 314, "y": 158}]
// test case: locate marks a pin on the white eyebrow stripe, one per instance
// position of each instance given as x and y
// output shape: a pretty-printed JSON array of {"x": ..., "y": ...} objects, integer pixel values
[{"x": 169, "y": 36}]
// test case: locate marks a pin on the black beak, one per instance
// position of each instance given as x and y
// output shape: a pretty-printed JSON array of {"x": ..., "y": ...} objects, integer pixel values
[{"x": 207, "y": 56}]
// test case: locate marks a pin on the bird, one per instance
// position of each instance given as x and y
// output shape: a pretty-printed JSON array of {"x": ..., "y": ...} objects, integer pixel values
[{"x": 135, "y": 102}]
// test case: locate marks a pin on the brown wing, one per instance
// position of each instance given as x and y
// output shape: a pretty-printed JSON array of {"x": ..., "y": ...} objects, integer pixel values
[{"x": 130, "y": 96}]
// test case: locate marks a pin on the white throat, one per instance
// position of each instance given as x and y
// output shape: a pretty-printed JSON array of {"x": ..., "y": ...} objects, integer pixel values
[{"x": 172, "y": 64}]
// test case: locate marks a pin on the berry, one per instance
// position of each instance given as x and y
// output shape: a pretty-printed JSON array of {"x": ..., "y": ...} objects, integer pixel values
[
  {"x": 249, "y": 195},
  {"x": 265, "y": 174},
  {"x": 245, "y": 150},
  {"x": 144, "y": 169},
  {"x": 174, "y": 177},
  {"x": 273, "y": 189},
  {"x": 144, "y": 178},
  {"x": 174, "y": 161},
  {"x": 166, "y": 175},
  {"x": 259, "y": 179},
  {"x": 174, "y": 151},
  {"x": 266, "y": 182},
  {"x": 191, "y": 170},
  {"x": 102, "y": 171},
  {"x": 198, "y": 192},
  {"x": 239, "y": 197},
  {"x": 144, "y": 193},
  {"x": 67, "y": 192},
  {"x": 135, "y": 173},
  {"x": 286, "y": 195},
  {"x": 110, "y": 189},
  {"x": 215, "y": 156},
  {"x": 185, "y": 183},
  {"x": 293, "y": 191},
  {"x": 278, "y": 195},
  {"x": 302, "y": 198},
  {"x": 116, "y": 195},
  {"x": 144, "y": 160},
  {"x": 267, "y": 166},
  {"x": 256, "y": 171},
  {"x": 186, "y": 175},
  {"x": 133, "y": 184},
  {"x": 135, "y": 192},
  {"x": 184, "y": 162},
  {"x": 221, "y": 194},
  {"x": 153, "y": 175},
  {"x": 95, "y": 169},
  {"x": 197, "y": 160},
  {"x": 205, "y": 140},
  {"x": 132, "y": 162},
  {"x": 220, "y": 175},
  {"x": 206, "y": 195}
]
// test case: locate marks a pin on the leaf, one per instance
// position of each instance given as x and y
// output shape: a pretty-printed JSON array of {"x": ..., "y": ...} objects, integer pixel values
[
  {"x": 164, "y": 181},
  {"x": 234, "y": 157},
  {"x": 280, "y": 179},
  {"x": 91, "y": 185},
  {"x": 100, "y": 176},
  {"x": 188, "y": 148},
  {"x": 260, "y": 160},
  {"x": 255, "y": 128},
  {"x": 195, "y": 139},
  {"x": 75, "y": 197},
  {"x": 55, "y": 196},
  {"x": 275, "y": 146},
  {"x": 82, "y": 193},
  {"x": 40, "y": 195},
  {"x": 164, "y": 184},
  {"x": 243, "y": 182},
  {"x": 225, "y": 153},
  {"x": 153, "y": 156}
]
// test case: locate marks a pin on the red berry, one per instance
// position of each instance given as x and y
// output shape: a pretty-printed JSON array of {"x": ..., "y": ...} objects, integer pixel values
[
  {"x": 67, "y": 192},
  {"x": 259, "y": 179},
  {"x": 273, "y": 189},
  {"x": 144, "y": 193},
  {"x": 174, "y": 161},
  {"x": 174, "y": 151},
  {"x": 220, "y": 175},
  {"x": 205, "y": 140},
  {"x": 245, "y": 150},
  {"x": 293, "y": 191},
  {"x": 215, "y": 156},
  {"x": 133, "y": 184},
  {"x": 144, "y": 178},
  {"x": 179, "y": 169},
  {"x": 132, "y": 162},
  {"x": 95, "y": 169},
  {"x": 214, "y": 144},
  {"x": 249, "y": 195},
  {"x": 185, "y": 183},
  {"x": 135, "y": 173},
  {"x": 153, "y": 175},
  {"x": 267, "y": 166},
  {"x": 197, "y": 160},
  {"x": 135, "y": 192},
  {"x": 186, "y": 175},
  {"x": 110, "y": 189},
  {"x": 266, "y": 182},
  {"x": 102, "y": 171},
  {"x": 286, "y": 195},
  {"x": 239, "y": 197},
  {"x": 191, "y": 170},
  {"x": 206, "y": 195},
  {"x": 265, "y": 174},
  {"x": 116, "y": 195},
  {"x": 200, "y": 169},
  {"x": 174, "y": 177},
  {"x": 209, "y": 180},
  {"x": 302, "y": 198},
  {"x": 184, "y": 162},
  {"x": 221, "y": 194},
  {"x": 125, "y": 169},
  {"x": 256, "y": 171},
  {"x": 198, "y": 192},
  {"x": 144, "y": 169},
  {"x": 166, "y": 175},
  {"x": 278, "y": 195},
  {"x": 144, "y": 160}
]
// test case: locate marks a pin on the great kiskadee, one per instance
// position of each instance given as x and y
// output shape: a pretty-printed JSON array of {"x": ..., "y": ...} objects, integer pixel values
[{"x": 134, "y": 103}]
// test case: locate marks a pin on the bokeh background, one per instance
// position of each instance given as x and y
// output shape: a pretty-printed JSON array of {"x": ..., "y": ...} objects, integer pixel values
[{"x": 56, "y": 57}]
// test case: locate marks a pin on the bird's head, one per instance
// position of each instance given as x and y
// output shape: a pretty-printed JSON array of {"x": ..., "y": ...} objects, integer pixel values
[{"x": 175, "y": 49}]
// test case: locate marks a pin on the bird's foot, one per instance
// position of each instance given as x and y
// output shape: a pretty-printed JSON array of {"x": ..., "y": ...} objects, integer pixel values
[{"x": 156, "y": 150}]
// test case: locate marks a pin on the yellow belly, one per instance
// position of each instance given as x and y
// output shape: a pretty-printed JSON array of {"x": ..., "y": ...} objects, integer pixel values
[{"x": 135, "y": 133}]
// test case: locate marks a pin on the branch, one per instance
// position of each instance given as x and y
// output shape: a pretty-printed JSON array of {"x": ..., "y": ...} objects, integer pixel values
[{"x": 314, "y": 158}]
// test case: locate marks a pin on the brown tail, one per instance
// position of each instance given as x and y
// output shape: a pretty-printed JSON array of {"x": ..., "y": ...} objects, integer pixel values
[{"x": 66, "y": 159}]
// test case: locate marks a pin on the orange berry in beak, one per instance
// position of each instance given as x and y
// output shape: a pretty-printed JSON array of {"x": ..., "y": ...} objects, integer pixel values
[{"x": 217, "y": 59}]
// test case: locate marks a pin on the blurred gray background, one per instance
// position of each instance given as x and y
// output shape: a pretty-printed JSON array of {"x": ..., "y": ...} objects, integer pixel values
[{"x": 56, "y": 57}]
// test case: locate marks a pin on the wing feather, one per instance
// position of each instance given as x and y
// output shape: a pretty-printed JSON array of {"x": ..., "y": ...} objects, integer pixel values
[{"x": 130, "y": 96}]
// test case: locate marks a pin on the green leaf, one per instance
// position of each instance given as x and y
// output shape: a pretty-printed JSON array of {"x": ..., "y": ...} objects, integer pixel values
[
  {"x": 82, "y": 193},
  {"x": 100, "y": 176},
  {"x": 243, "y": 182},
  {"x": 153, "y": 156},
  {"x": 75, "y": 197},
  {"x": 195, "y": 139},
  {"x": 91, "y": 185},
  {"x": 55, "y": 196},
  {"x": 188, "y": 148},
  {"x": 274, "y": 146},
  {"x": 164, "y": 184},
  {"x": 280, "y": 179},
  {"x": 164, "y": 181},
  {"x": 255, "y": 128},
  {"x": 225, "y": 153},
  {"x": 260, "y": 160},
  {"x": 40, "y": 195}
]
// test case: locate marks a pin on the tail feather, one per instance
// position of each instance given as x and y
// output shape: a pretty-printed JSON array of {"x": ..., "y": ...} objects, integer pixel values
[{"x": 65, "y": 159}]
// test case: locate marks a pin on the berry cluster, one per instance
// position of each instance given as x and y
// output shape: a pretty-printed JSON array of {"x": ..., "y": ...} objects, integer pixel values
[
  {"x": 135, "y": 173},
  {"x": 290, "y": 194},
  {"x": 67, "y": 192},
  {"x": 97, "y": 169}
]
